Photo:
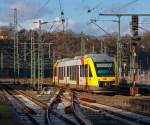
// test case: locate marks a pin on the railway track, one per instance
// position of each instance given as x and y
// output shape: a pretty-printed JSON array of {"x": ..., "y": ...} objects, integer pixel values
[
  {"x": 62, "y": 111},
  {"x": 107, "y": 112},
  {"x": 67, "y": 108},
  {"x": 28, "y": 111},
  {"x": 103, "y": 114},
  {"x": 58, "y": 111}
]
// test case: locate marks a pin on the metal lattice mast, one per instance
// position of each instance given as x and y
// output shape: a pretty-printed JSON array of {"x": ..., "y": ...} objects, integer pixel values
[
  {"x": 32, "y": 60},
  {"x": 16, "y": 48},
  {"x": 119, "y": 48},
  {"x": 2, "y": 60},
  {"x": 40, "y": 56},
  {"x": 82, "y": 44}
]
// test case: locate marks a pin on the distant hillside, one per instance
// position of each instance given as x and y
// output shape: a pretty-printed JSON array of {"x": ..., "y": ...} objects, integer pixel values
[{"x": 68, "y": 44}]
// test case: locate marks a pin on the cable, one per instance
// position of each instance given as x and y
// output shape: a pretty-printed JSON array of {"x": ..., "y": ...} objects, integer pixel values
[
  {"x": 38, "y": 11},
  {"x": 144, "y": 29},
  {"x": 126, "y": 5},
  {"x": 93, "y": 22}
]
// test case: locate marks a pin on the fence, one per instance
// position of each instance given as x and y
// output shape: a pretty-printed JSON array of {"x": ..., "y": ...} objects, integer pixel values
[{"x": 141, "y": 77}]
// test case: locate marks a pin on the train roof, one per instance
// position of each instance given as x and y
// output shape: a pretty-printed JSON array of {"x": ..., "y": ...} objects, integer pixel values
[
  {"x": 95, "y": 57},
  {"x": 100, "y": 57}
]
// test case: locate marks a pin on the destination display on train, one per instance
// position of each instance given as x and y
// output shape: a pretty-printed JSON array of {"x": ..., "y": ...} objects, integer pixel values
[{"x": 104, "y": 65}]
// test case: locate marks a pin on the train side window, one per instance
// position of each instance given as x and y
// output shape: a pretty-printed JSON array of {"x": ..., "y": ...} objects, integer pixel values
[
  {"x": 60, "y": 72},
  {"x": 81, "y": 70},
  {"x": 86, "y": 70},
  {"x": 67, "y": 71},
  {"x": 64, "y": 71},
  {"x": 70, "y": 73},
  {"x": 74, "y": 69},
  {"x": 56, "y": 71},
  {"x": 73, "y": 72}
]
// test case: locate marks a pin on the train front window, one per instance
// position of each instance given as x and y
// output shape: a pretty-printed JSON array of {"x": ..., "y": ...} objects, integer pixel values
[{"x": 104, "y": 69}]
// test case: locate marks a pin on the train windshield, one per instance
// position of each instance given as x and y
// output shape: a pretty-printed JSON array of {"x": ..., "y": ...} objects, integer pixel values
[{"x": 104, "y": 69}]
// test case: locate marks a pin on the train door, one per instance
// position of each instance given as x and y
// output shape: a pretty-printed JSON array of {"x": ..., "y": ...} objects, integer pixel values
[
  {"x": 82, "y": 78},
  {"x": 89, "y": 75},
  {"x": 58, "y": 75},
  {"x": 54, "y": 68},
  {"x": 77, "y": 76},
  {"x": 55, "y": 76}
]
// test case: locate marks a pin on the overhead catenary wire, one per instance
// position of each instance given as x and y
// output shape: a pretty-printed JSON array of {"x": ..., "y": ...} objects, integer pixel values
[
  {"x": 93, "y": 22},
  {"x": 126, "y": 5},
  {"x": 38, "y": 11},
  {"x": 144, "y": 29}
]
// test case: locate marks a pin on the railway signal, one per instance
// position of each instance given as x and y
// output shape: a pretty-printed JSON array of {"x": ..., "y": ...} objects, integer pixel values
[
  {"x": 135, "y": 26},
  {"x": 119, "y": 49}
]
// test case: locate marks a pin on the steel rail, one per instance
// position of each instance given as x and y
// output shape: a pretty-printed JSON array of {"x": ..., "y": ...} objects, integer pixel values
[
  {"x": 138, "y": 119},
  {"x": 24, "y": 109}
]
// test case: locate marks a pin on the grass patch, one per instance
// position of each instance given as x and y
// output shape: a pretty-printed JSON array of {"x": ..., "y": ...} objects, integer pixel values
[{"x": 5, "y": 116}]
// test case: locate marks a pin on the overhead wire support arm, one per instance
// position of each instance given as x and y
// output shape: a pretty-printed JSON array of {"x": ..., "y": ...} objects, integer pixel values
[
  {"x": 16, "y": 48},
  {"x": 123, "y": 14}
]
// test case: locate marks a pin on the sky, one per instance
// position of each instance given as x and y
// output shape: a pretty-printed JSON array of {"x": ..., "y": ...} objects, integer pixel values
[{"x": 75, "y": 13}]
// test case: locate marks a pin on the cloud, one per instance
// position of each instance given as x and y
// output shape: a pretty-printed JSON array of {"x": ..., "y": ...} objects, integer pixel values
[
  {"x": 27, "y": 10},
  {"x": 30, "y": 10},
  {"x": 79, "y": 27}
]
